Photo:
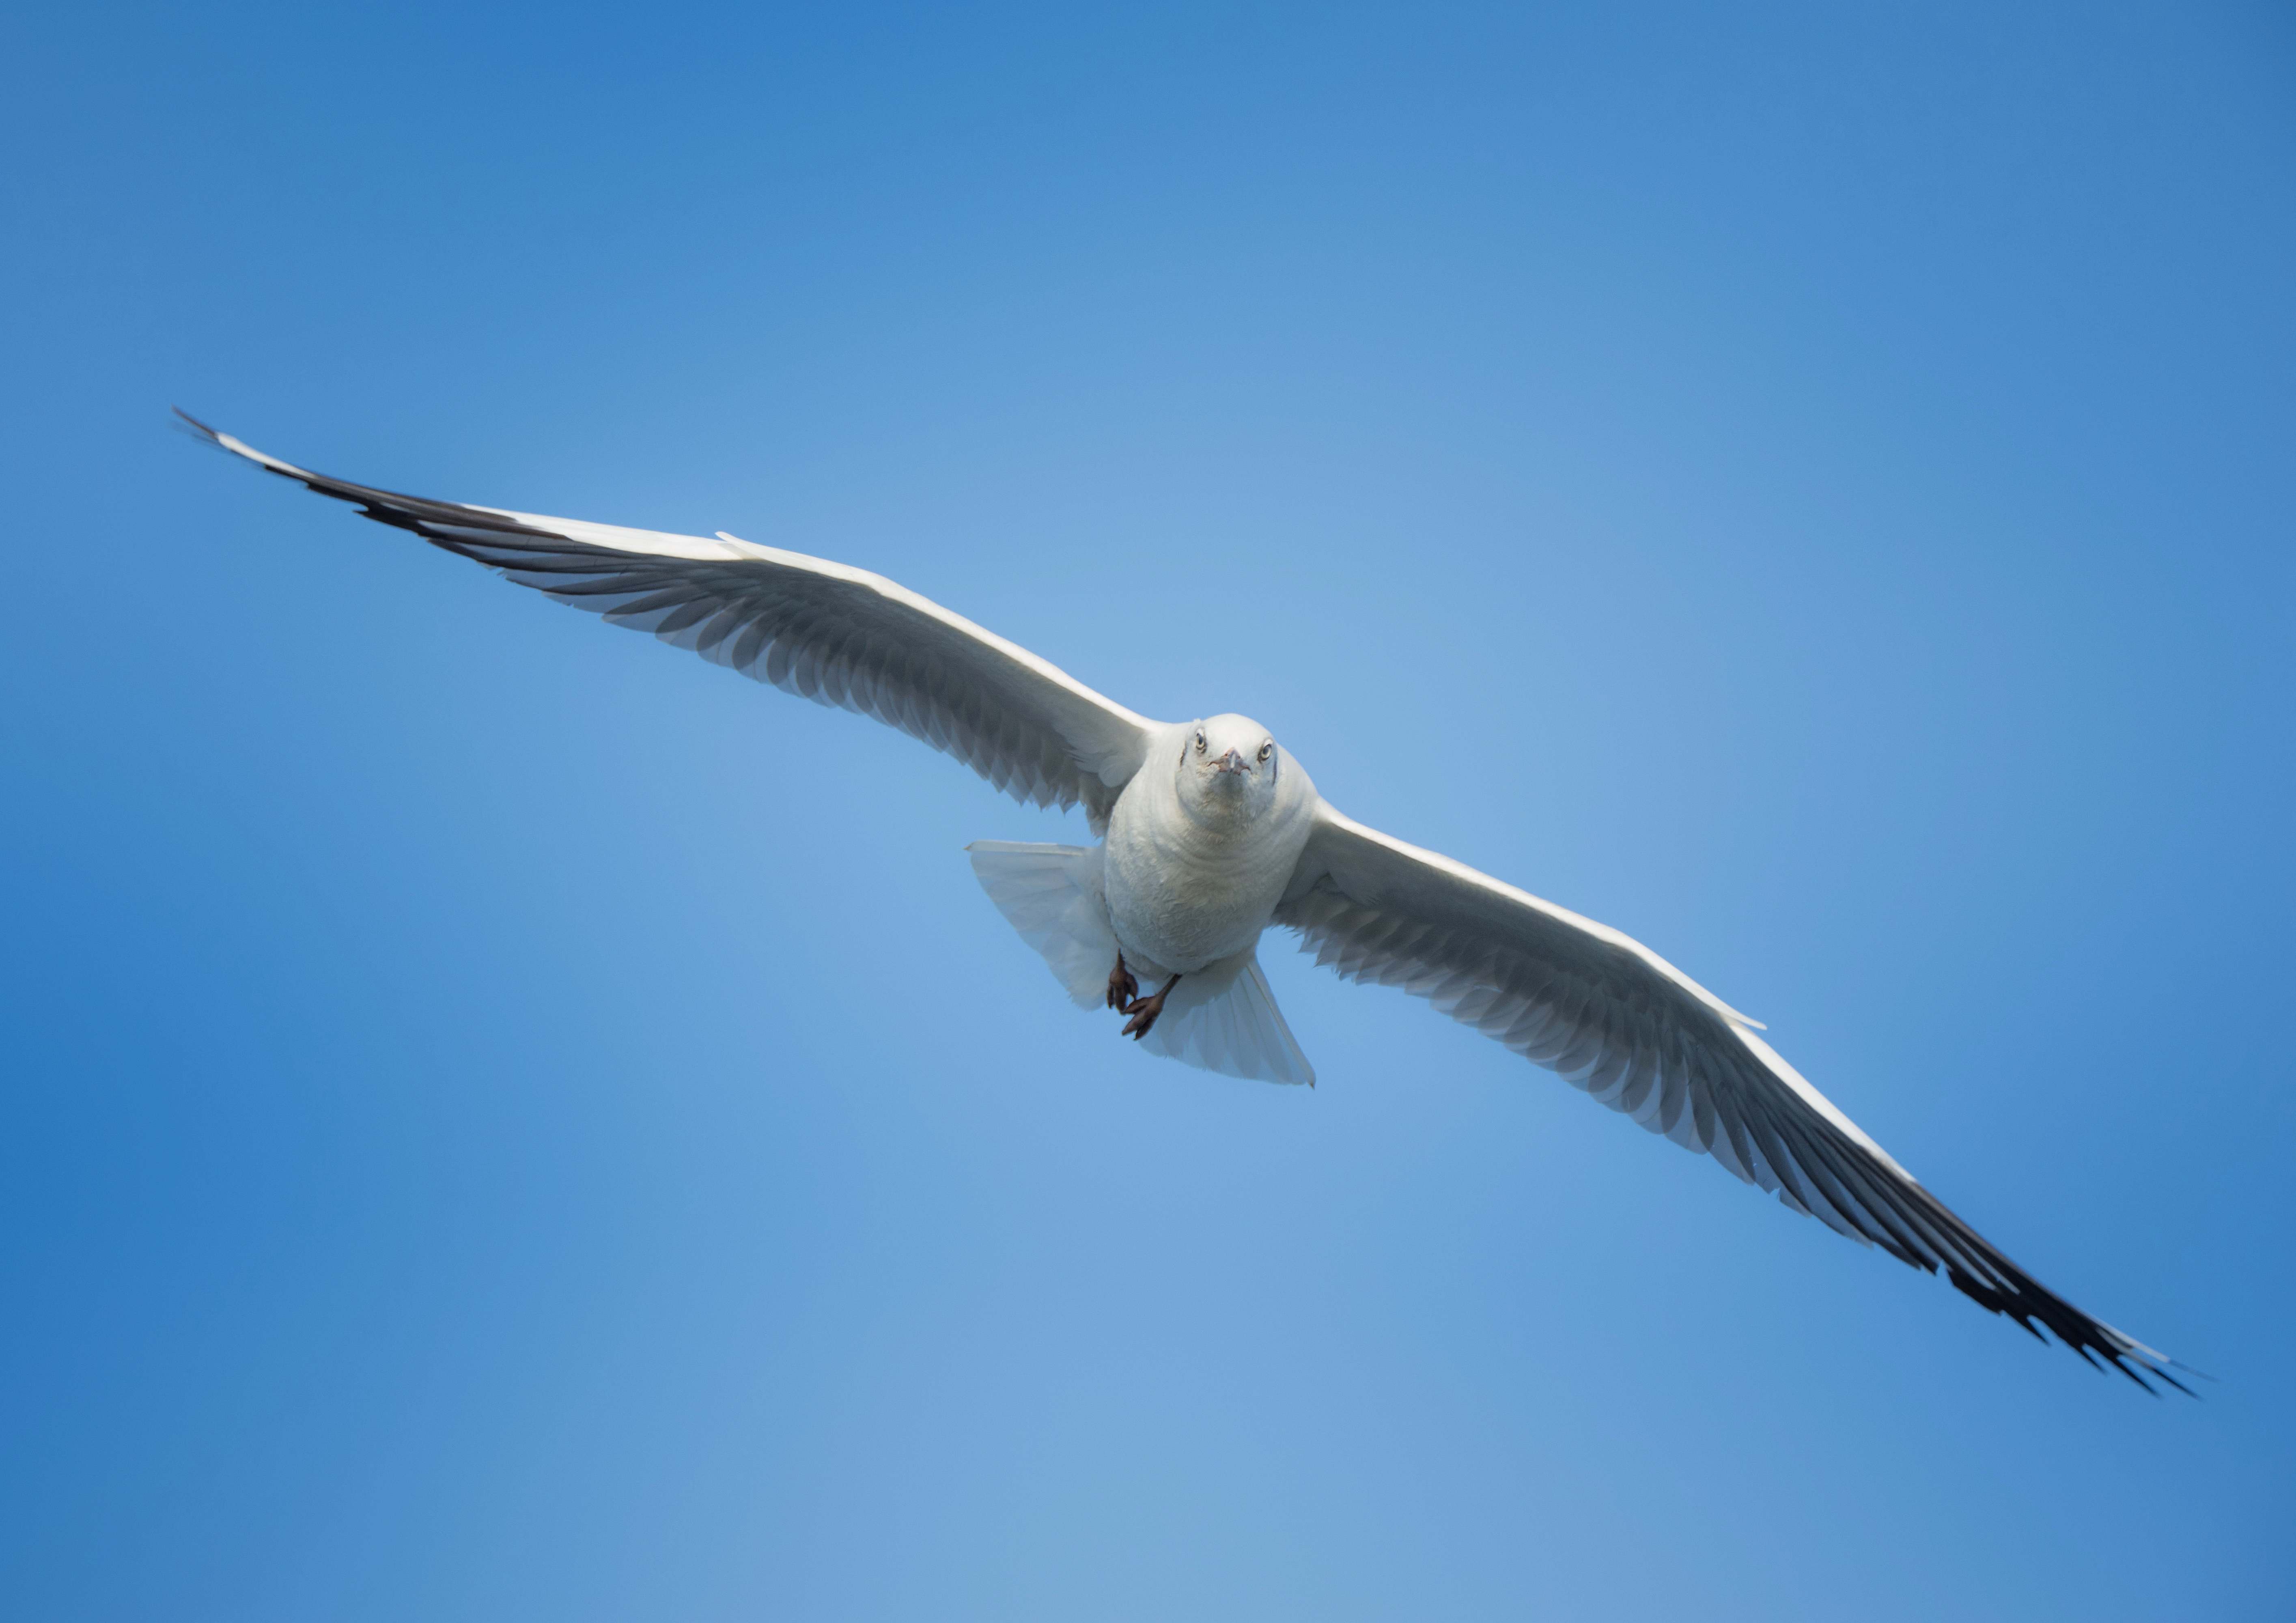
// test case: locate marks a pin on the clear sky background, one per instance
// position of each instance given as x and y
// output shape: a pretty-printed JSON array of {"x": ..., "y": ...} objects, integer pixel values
[{"x": 505, "y": 1120}]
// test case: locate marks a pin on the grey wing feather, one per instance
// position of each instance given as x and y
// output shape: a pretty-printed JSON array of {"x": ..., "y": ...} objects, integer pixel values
[
  {"x": 837, "y": 636},
  {"x": 1619, "y": 1022}
]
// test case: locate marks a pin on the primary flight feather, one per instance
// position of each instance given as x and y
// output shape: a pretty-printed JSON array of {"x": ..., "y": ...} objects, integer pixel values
[{"x": 1211, "y": 832}]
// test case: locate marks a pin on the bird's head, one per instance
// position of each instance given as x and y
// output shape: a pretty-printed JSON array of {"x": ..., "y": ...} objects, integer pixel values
[{"x": 1227, "y": 768}]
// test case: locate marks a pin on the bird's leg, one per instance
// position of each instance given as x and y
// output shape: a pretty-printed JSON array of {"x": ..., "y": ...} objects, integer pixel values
[
  {"x": 1145, "y": 1011},
  {"x": 1122, "y": 988}
]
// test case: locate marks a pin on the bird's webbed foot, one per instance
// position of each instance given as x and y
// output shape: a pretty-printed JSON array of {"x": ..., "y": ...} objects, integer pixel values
[
  {"x": 1122, "y": 987},
  {"x": 1143, "y": 1010}
]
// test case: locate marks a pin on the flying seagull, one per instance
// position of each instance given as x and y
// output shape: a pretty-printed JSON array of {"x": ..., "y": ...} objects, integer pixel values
[{"x": 1211, "y": 833}]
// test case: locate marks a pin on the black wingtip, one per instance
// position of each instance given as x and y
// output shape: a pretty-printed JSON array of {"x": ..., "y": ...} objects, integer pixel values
[
  {"x": 196, "y": 429},
  {"x": 2024, "y": 1300},
  {"x": 2167, "y": 1369},
  {"x": 2144, "y": 1366},
  {"x": 2130, "y": 1370},
  {"x": 2162, "y": 1374}
]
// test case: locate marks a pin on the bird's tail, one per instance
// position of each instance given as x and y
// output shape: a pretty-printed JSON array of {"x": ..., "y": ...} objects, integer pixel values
[
  {"x": 1051, "y": 894},
  {"x": 1222, "y": 1017}
]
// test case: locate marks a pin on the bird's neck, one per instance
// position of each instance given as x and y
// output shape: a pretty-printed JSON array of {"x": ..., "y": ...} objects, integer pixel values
[{"x": 1220, "y": 817}]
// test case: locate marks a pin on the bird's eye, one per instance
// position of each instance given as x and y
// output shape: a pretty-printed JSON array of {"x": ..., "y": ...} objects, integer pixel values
[
  {"x": 1266, "y": 749},
  {"x": 1200, "y": 741}
]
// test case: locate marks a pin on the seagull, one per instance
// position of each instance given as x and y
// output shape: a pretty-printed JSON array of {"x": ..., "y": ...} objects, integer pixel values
[{"x": 1211, "y": 833}]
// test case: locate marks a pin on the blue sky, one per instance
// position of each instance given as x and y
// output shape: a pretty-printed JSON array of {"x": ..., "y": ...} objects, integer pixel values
[{"x": 506, "y": 1120}]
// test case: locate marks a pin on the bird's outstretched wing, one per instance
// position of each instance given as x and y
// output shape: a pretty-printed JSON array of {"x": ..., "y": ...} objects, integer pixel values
[
  {"x": 1620, "y": 1023},
  {"x": 837, "y": 636}
]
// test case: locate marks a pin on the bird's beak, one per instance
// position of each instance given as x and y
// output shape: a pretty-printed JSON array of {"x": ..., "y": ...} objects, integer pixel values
[{"x": 1232, "y": 762}]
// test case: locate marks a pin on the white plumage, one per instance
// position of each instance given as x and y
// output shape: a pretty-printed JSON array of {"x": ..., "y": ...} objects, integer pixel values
[{"x": 1212, "y": 834}]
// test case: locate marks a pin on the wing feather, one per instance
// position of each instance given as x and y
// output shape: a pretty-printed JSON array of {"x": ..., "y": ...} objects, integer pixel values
[
  {"x": 839, "y": 636},
  {"x": 1626, "y": 1028}
]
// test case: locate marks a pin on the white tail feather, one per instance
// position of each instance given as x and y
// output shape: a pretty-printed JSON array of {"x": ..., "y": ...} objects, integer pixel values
[
  {"x": 1222, "y": 1017},
  {"x": 1051, "y": 894}
]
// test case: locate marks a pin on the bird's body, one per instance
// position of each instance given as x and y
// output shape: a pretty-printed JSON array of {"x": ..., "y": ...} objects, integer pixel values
[
  {"x": 1212, "y": 834},
  {"x": 1192, "y": 873}
]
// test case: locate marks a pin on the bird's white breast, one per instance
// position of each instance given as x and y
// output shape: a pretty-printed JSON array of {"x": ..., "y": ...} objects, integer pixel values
[{"x": 1181, "y": 893}]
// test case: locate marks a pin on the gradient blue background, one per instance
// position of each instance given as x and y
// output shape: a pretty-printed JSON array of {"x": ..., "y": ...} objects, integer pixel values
[{"x": 504, "y": 1120}]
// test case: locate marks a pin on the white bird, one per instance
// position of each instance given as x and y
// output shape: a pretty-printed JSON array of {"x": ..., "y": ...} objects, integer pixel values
[{"x": 1211, "y": 833}]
